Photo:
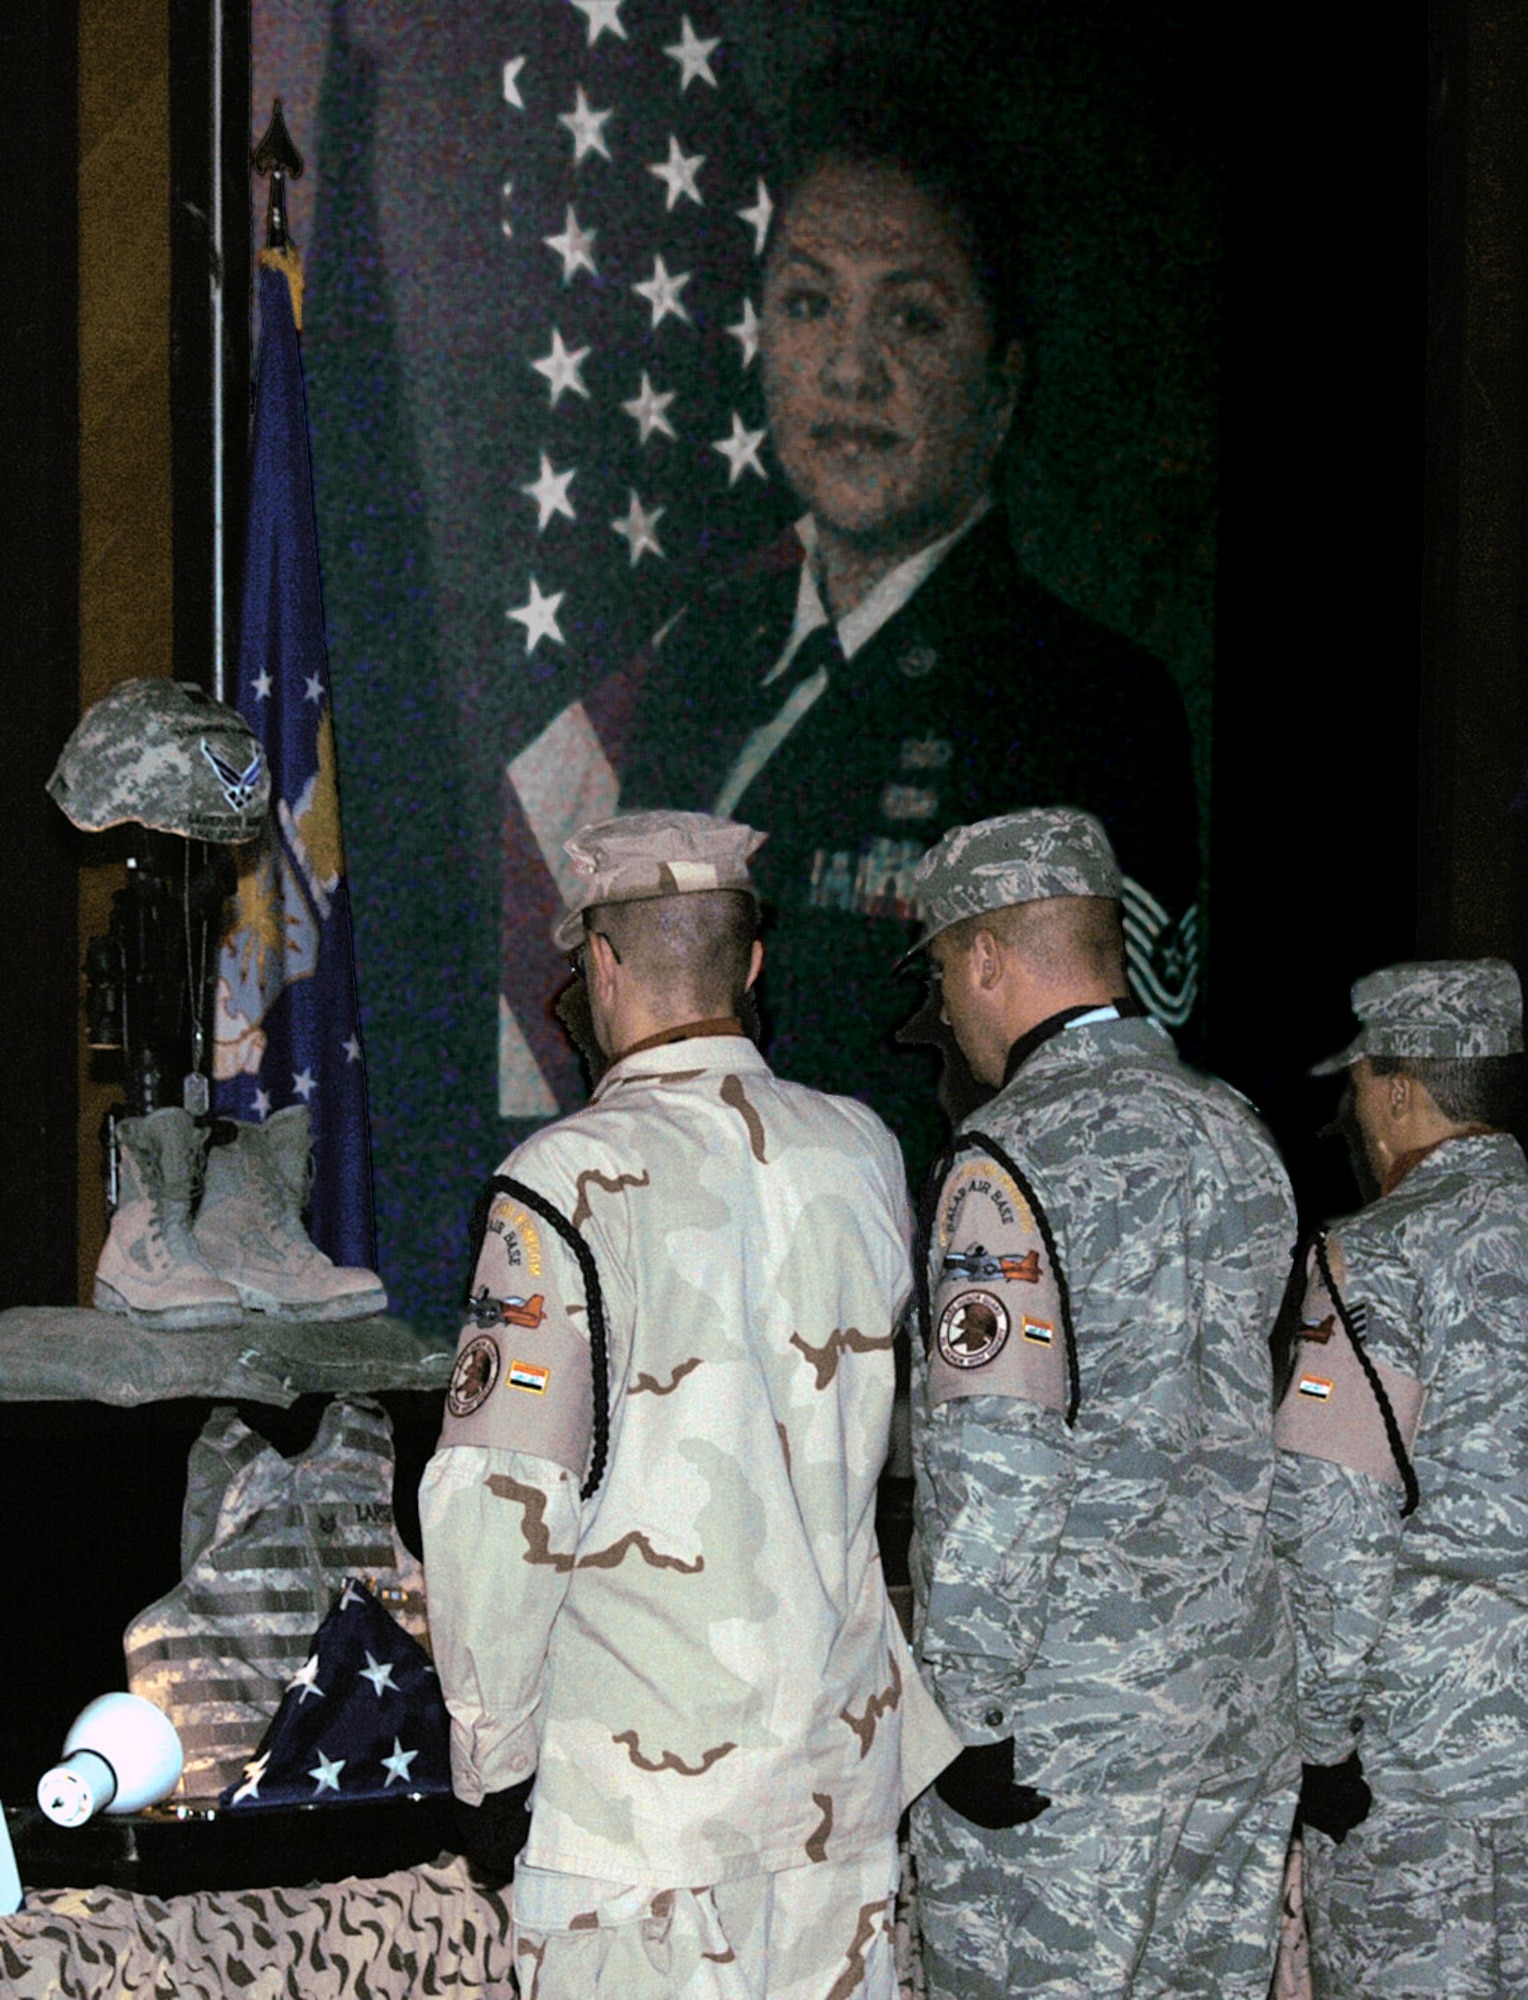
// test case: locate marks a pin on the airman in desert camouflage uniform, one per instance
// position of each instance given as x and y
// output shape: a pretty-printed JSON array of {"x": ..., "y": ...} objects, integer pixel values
[
  {"x": 1098, "y": 1606},
  {"x": 649, "y": 1529},
  {"x": 1402, "y": 1506}
]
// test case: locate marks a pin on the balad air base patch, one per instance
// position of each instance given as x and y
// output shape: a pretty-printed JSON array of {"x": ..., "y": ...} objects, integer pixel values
[
  {"x": 523, "y": 1380},
  {"x": 997, "y": 1313},
  {"x": 1342, "y": 1404}
]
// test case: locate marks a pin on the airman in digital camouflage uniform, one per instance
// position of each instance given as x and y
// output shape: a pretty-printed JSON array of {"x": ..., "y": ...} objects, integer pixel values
[
  {"x": 1401, "y": 1504},
  {"x": 1099, "y": 1611},
  {"x": 654, "y": 1588}
]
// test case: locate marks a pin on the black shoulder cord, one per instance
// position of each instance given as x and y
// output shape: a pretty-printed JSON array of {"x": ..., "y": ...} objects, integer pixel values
[
  {"x": 1398, "y": 1449},
  {"x": 599, "y": 1341},
  {"x": 928, "y": 1206}
]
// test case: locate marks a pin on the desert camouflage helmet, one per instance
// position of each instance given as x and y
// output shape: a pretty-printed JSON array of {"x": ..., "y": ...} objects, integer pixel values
[
  {"x": 638, "y": 857},
  {"x": 164, "y": 753}
]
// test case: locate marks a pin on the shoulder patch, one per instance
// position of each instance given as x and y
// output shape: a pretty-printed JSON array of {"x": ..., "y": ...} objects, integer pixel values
[
  {"x": 473, "y": 1378},
  {"x": 997, "y": 1326},
  {"x": 1339, "y": 1397}
]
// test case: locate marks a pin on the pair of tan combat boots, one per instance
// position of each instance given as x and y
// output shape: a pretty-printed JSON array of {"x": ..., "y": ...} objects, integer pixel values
[{"x": 205, "y": 1234}]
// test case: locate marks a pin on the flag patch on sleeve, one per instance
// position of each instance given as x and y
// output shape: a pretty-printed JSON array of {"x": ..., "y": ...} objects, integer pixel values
[
  {"x": 1318, "y": 1387},
  {"x": 1039, "y": 1330},
  {"x": 526, "y": 1375}
]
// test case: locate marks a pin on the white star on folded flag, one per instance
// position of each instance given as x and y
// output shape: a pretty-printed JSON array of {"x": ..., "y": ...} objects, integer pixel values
[
  {"x": 326, "y": 1774},
  {"x": 630, "y": 427},
  {"x": 378, "y": 1672},
  {"x": 397, "y": 1766}
]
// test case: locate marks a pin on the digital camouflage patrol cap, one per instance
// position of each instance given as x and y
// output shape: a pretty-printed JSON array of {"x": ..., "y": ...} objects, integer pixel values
[
  {"x": 1442, "y": 1007},
  {"x": 1023, "y": 857},
  {"x": 638, "y": 857},
  {"x": 164, "y": 753}
]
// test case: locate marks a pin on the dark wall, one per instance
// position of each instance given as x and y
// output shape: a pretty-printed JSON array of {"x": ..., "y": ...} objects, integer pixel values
[{"x": 39, "y": 656}]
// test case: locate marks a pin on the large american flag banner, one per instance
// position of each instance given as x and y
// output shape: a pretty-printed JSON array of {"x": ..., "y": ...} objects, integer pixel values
[{"x": 633, "y": 208}]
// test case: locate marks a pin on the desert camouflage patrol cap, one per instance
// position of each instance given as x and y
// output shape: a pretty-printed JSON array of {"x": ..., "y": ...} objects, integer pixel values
[
  {"x": 638, "y": 857},
  {"x": 164, "y": 753},
  {"x": 1022, "y": 857},
  {"x": 1447, "y": 1007}
]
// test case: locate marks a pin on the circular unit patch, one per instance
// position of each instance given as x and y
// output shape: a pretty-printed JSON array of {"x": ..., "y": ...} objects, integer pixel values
[
  {"x": 474, "y": 1376},
  {"x": 973, "y": 1329}
]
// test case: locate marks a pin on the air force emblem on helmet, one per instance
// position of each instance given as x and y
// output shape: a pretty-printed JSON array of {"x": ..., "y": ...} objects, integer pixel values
[
  {"x": 239, "y": 787},
  {"x": 997, "y": 1320}
]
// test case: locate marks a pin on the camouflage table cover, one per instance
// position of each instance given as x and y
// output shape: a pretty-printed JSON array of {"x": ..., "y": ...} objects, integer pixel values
[
  {"x": 71, "y": 1354},
  {"x": 427, "y": 1930}
]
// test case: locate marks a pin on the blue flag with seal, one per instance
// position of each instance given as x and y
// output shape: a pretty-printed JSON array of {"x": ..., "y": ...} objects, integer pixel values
[{"x": 287, "y": 1025}]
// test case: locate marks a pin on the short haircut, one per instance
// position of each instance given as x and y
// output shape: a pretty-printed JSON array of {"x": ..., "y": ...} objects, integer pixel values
[
  {"x": 1056, "y": 936},
  {"x": 864, "y": 108},
  {"x": 1469, "y": 1090},
  {"x": 691, "y": 952}
]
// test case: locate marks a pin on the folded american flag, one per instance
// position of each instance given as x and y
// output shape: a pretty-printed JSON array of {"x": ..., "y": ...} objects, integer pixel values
[{"x": 362, "y": 1719}]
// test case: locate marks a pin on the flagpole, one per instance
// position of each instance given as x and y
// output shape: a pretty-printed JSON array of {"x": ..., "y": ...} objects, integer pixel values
[{"x": 215, "y": 282}]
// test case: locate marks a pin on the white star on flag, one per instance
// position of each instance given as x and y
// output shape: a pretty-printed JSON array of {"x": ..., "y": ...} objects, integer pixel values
[
  {"x": 262, "y": 1104},
  {"x": 602, "y": 15},
  {"x": 587, "y": 127},
  {"x": 379, "y": 1673},
  {"x": 662, "y": 292},
  {"x": 353, "y": 1049},
  {"x": 550, "y": 493},
  {"x": 313, "y": 690},
  {"x": 326, "y": 1774},
  {"x": 562, "y": 368},
  {"x": 758, "y": 219},
  {"x": 305, "y": 1083},
  {"x": 253, "y": 1773},
  {"x": 651, "y": 479},
  {"x": 637, "y": 529},
  {"x": 505, "y": 191},
  {"x": 512, "y": 71},
  {"x": 306, "y": 1678},
  {"x": 397, "y": 1766},
  {"x": 746, "y": 332},
  {"x": 262, "y": 686},
  {"x": 741, "y": 450},
  {"x": 692, "y": 55},
  {"x": 678, "y": 172},
  {"x": 573, "y": 247},
  {"x": 647, "y": 408},
  {"x": 539, "y": 617}
]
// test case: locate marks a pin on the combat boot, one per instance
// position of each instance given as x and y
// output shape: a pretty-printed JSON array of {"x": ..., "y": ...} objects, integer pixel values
[
  {"x": 150, "y": 1267},
  {"x": 249, "y": 1227}
]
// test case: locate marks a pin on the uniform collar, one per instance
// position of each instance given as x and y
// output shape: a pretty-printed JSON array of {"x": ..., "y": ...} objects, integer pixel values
[
  {"x": 881, "y": 605},
  {"x": 1089, "y": 1013},
  {"x": 1406, "y": 1164},
  {"x": 697, "y": 1046}
]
